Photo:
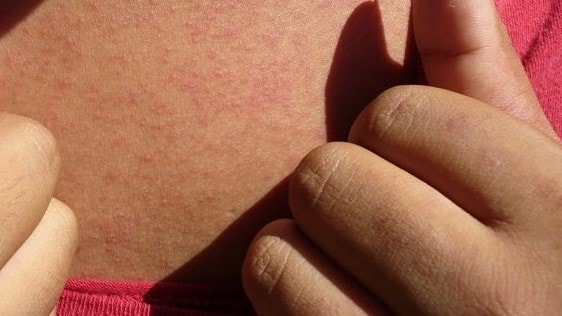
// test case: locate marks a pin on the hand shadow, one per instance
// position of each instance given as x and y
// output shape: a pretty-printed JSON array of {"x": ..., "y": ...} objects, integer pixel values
[
  {"x": 209, "y": 294},
  {"x": 361, "y": 69},
  {"x": 13, "y": 12}
]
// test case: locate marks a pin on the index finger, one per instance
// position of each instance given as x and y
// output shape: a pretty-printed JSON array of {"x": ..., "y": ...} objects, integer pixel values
[{"x": 29, "y": 165}]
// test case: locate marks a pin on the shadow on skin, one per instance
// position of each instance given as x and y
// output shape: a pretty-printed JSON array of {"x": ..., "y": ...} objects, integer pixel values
[
  {"x": 238, "y": 235},
  {"x": 361, "y": 69},
  {"x": 14, "y": 11}
]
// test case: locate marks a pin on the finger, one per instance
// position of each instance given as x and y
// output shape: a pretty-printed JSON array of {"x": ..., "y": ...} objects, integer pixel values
[
  {"x": 480, "y": 158},
  {"x": 34, "y": 277},
  {"x": 29, "y": 166},
  {"x": 284, "y": 274},
  {"x": 402, "y": 239},
  {"x": 465, "y": 48}
]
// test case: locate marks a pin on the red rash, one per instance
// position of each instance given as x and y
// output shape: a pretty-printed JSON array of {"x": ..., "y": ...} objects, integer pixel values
[{"x": 173, "y": 119}]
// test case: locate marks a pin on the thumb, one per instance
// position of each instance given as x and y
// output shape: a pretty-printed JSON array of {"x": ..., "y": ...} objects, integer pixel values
[{"x": 465, "y": 48}]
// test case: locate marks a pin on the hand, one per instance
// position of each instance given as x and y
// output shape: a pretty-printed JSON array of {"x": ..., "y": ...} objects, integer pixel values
[
  {"x": 449, "y": 200},
  {"x": 38, "y": 234}
]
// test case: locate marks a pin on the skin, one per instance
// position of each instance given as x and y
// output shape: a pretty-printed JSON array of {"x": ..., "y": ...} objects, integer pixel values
[
  {"x": 134, "y": 163},
  {"x": 175, "y": 120},
  {"x": 39, "y": 234},
  {"x": 445, "y": 200},
  {"x": 176, "y": 124}
]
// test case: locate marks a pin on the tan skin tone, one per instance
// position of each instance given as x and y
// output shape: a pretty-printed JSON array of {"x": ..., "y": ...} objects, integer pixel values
[
  {"x": 445, "y": 201},
  {"x": 174, "y": 119},
  {"x": 168, "y": 135}
]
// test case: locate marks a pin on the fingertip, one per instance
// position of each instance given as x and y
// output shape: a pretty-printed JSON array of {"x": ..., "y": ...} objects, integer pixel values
[
  {"x": 35, "y": 141},
  {"x": 29, "y": 168},
  {"x": 65, "y": 219},
  {"x": 465, "y": 48},
  {"x": 286, "y": 274},
  {"x": 38, "y": 270},
  {"x": 313, "y": 173},
  {"x": 394, "y": 106},
  {"x": 46, "y": 143},
  {"x": 264, "y": 264},
  {"x": 263, "y": 248},
  {"x": 453, "y": 27}
]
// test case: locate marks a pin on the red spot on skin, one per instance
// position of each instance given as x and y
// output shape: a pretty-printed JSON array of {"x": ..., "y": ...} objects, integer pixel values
[
  {"x": 53, "y": 117},
  {"x": 203, "y": 119},
  {"x": 211, "y": 55},
  {"x": 166, "y": 55},
  {"x": 92, "y": 6},
  {"x": 110, "y": 177},
  {"x": 119, "y": 142},
  {"x": 9, "y": 63},
  {"x": 25, "y": 31},
  {"x": 132, "y": 98},
  {"x": 146, "y": 158},
  {"x": 188, "y": 82},
  {"x": 77, "y": 23},
  {"x": 63, "y": 83},
  {"x": 457, "y": 125},
  {"x": 151, "y": 123},
  {"x": 164, "y": 109},
  {"x": 3, "y": 93},
  {"x": 173, "y": 136},
  {"x": 120, "y": 59}
]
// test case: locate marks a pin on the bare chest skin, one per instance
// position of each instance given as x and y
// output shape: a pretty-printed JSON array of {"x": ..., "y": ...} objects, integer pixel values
[{"x": 178, "y": 121}]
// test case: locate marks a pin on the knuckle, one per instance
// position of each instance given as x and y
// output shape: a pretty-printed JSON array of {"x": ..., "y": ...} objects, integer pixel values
[
  {"x": 396, "y": 110},
  {"x": 266, "y": 264},
  {"x": 37, "y": 140},
  {"x": 316, "y": 183}
]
